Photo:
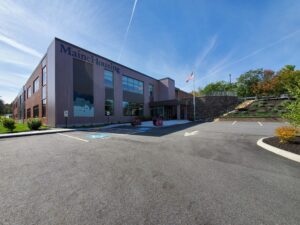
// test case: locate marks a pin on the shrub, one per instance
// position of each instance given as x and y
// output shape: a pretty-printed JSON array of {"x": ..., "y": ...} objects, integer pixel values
[
  {"x": 9, "y": 124},
  {"x": 34, "y": 124},
  {"x": 286, "y": 133},
  {"x": 1, "y": 119}
]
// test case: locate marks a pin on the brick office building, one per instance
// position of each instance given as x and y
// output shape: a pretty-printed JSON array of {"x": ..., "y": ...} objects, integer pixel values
[{"x": 90, "y": 89}]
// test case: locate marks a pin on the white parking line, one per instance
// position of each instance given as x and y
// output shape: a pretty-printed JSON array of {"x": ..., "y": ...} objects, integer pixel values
[
  {"x": 260, "y": 124},
  {"x": 79, "y": 139},
  {"x": 191, "y": 133},
  {"x": 234, "y": 122}
]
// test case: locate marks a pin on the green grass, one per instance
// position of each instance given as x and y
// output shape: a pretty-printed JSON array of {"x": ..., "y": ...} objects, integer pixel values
[
  {"x": 262, "y": 108},
  {"x": 20, "y": 127}
]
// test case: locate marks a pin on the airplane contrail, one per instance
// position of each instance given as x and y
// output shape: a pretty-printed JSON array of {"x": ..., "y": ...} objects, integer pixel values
[
  {"x": 11, "y": 42},
  {"x": 127, "y": 30},
  {"x": 256, "y": 51}
]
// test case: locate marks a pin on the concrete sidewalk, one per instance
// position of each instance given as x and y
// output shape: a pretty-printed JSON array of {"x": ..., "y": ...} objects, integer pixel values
[{"x": 36, "y": 132}]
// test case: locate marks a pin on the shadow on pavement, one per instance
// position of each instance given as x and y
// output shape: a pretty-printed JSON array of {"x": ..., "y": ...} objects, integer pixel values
[{"x": 145, "y": 131}]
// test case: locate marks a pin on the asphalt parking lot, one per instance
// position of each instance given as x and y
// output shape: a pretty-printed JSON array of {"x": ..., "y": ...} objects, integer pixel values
[{"x": 209, "y": 173}]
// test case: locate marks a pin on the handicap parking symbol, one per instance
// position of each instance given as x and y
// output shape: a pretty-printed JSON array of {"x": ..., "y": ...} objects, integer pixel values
[
  {"x": 98, "y": 136},
  {"x": 143, "y": 129}
]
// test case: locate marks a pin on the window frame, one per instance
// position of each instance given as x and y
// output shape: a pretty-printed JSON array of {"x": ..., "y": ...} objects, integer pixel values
[
  {"x": 112, "y": 80},
  {"x": 33, "y": 111},
  {"x": 34, "y": 85},
  {"x": 112, "y": 107},
  {"x": 28, "y": 110},
  {"x": 44, "y": 108},
  {"x": 44, "y": 76},
  {"x": 29, "y": 88},
  {"x": 132, "y": 85},
  {"x": 131, "y": 106}
]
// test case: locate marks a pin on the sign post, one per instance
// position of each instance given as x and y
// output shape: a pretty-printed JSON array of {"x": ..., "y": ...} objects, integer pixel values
[{"x": 66, "y": 115}]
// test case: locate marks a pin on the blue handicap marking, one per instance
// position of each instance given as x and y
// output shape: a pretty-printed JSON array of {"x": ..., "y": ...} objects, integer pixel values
[
  {"x": 98, "y": 135},
  {"x": 143, "y": 129}
]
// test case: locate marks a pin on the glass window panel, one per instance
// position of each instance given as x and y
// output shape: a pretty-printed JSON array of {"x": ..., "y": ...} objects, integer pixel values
[
  {"x": 109, "y": 107},
  {"x": 44, "y": 93},
  {"x": 36, "y": 111},
  {"x": 44, "y": 101},
  {"x": 44, "y": 76},
  {"x": 108, "y": 78},
  {"x": 36, "y": 84},
  {"x": 29, "y": 92}
]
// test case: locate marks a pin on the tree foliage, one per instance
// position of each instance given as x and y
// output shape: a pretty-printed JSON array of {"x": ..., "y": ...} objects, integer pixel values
[
  {"x": 220, "y": 86},
  {"x": 5, "y": 108},
  {"x": 291, "y": 81},
  {"x": 2, "y": 107},
  {"x": 247, "y": 81}
]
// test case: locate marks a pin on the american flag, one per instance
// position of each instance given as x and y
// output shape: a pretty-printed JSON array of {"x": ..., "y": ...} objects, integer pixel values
[{"x": 190, "y": 77}]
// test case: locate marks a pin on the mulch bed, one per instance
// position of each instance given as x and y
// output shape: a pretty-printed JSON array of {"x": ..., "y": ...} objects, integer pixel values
[{"x": 293, "y": 146}]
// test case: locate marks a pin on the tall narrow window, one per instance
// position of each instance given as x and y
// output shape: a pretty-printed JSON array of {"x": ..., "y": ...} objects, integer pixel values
[
  {"x": 109, "y": 93},
  {"x": 44, "y": 90},
  {"x": 29, "y": 92},
  {"x": 109, "y": 107},
  {"x": 151, "y": 89},
  {"x": 44, "y": 76},
  {"x": 35, "y": 111},
  {"x": 108, "y": 79},
  {"x": 28, "y": 113},
  {"x": 44, "y": 101},
  {"x": 36, "y": 85}
]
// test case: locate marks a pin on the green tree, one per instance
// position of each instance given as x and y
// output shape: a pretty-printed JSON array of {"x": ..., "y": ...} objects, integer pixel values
[
  {"x": 291, "y": 81},
  {"x": 7, "y": 108},
  {"x": 247, "y": 81},
  {"x": 2, "y": 107},
  {"x": 219, "y": 86}
]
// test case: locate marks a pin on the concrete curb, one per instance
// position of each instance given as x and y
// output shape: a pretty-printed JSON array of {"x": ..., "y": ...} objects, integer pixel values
[
  {"x": 278, "y": 151},
  {"x": 38, "y": 132}
]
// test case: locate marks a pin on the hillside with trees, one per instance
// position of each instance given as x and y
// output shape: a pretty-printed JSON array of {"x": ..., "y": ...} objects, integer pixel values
[
  {"x": 277, "y": 94},
  {"x": 255, "y": 83}
]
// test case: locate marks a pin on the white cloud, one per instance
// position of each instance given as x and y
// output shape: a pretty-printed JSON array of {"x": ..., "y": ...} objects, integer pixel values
[{"x": 13, "y": 43}]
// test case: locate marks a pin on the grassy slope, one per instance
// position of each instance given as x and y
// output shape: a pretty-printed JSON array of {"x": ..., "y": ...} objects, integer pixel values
[{"x": 261, "y": 108}]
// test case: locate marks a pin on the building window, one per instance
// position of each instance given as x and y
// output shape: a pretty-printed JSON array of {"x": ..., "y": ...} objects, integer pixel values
[
  {"x": 29, "y": 92},
  {"x": 36, "y": 84},
  {"x": 133, "y": 109},
  {"x": 108, "y": 79},
  {"x": 151, "y": 90},
  {"x": 35, "y": 111},
  {"x": 28, "y": 113},
  {"x": 44, "y": 101},
  {"x": 44, "y": 93},
  {"x": 44, "y": 76},
  {"x": 109, "y": 107},
  {"x": 132, "y": 85}
]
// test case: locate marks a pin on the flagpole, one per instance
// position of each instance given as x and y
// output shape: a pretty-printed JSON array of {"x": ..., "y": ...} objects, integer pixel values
[{"x": 194, "y": 102}]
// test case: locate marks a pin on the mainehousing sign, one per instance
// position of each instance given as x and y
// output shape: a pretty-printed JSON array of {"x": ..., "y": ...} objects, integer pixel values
[{"x": 78, "y": 54}]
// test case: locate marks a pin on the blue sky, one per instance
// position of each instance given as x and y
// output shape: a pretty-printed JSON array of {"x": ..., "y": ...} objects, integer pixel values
[{"x": 165, "y": 38}]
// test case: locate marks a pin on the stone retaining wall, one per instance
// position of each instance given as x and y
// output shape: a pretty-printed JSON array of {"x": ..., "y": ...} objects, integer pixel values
[{"x": 210, "y": 107}]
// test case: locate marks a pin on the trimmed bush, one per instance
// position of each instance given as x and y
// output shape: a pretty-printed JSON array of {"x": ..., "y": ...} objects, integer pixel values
[
  {"x": 34, "y": 124},
  {"x": 286, "y": 134},
  {"x": 9, "y": 124}
]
